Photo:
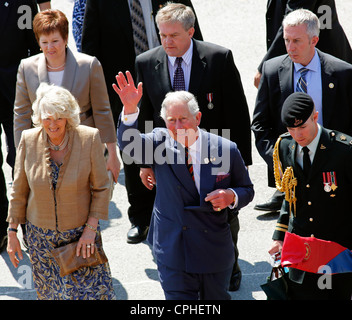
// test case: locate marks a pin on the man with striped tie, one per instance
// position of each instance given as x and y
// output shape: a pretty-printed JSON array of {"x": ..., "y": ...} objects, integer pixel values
[
  {"x": 304, "y": 68},
  {"x": 208, "y": 71},
  {"x": 192, "y": 241}
]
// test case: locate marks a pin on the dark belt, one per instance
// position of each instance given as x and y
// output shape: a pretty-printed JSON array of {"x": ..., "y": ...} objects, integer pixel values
[{"x": 85, "y": 115}]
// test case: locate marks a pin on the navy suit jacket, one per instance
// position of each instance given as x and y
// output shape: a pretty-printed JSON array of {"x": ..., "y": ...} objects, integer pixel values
[{"x": 185, "y": 232}]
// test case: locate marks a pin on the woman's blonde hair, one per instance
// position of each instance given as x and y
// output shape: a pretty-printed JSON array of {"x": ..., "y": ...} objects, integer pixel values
[{"x": 57, "y": 102}]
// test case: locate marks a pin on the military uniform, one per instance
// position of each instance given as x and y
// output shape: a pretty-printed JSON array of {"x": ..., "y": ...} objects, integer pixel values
[{"x": 323, "y": 205}]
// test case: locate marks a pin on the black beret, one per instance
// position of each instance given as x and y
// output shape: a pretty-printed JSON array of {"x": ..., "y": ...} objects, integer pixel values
[{"x": 296, "y": 109}]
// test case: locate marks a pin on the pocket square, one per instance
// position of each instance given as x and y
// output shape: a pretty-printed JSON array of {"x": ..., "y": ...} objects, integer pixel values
[{"x": 221, "y": 176}]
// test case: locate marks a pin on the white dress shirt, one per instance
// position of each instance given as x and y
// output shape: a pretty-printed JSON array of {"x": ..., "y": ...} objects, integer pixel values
[{"x": 186, "y": 66}]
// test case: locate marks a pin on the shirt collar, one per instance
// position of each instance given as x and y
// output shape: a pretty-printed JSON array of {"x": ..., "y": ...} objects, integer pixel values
[
  {"x": 196, "y": 145},
  {"x": 313, "y": 65},
  {"x": 314, "y": 144},
  {"x": 187, "y": 57}
]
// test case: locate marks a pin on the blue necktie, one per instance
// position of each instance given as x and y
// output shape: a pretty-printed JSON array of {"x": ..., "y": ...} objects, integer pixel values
[
  {"x": 302, "y": 82},
  {"x": 179, "y": 78}
]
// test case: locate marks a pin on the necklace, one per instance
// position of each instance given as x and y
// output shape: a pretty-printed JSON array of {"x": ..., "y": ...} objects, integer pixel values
[
  {"x": 62, "y": 144},
  {"x": 52, "y": 68}
]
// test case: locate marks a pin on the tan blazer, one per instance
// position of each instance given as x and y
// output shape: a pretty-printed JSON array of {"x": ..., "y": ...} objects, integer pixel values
[
  {"x": 82, "y": 190},
  {"x": 83, "y": 77}
]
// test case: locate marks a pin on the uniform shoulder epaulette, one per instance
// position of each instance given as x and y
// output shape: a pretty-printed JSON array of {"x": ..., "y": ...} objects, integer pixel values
[
  {"x": 285, "y": 135},
  {"x": 341, "y": 137}
]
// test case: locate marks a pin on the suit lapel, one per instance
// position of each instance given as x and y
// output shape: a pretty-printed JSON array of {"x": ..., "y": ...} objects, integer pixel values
[
  {"x": 285, "y": 73},
  {"x": 198, "y": 66},
  {"x": 176, "y": 159},
  {"x": 329, "y": 85},
  {"x": 292, "y": 158},
  {"x": 162, "y": 72},
  {"x": 70, "y": 71},
  {"x": 42, "y": 69},
  {"x": 209, "y": 153}
]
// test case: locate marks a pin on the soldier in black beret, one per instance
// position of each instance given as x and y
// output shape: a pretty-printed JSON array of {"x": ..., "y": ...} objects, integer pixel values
[{"x": 313, "y": 167}]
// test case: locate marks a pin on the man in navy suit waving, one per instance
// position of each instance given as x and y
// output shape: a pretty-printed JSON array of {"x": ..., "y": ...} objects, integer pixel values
[{"x": 201, "y": 179}]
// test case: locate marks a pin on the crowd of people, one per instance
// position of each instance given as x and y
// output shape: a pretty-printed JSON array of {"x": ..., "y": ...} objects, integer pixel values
[{"x": 68, "y": 113}]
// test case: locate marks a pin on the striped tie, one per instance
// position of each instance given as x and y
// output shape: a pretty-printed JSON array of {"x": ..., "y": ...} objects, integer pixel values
[
  {"x": 189, "y": 163},
  {"x": 138, "y": 26},
  {"x": 179, "y": 78},
  {"x": 302, "y": 82}
]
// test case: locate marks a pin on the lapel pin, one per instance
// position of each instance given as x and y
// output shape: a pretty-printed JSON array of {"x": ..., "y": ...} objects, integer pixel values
[
  {"x": 331, "y": 85},
  {"x": 322, "y": 147},
  {"x": 6, "y": 4}
]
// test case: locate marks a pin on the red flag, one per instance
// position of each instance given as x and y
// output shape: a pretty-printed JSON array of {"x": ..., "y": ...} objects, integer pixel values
[{"x": 312, "y": 255}]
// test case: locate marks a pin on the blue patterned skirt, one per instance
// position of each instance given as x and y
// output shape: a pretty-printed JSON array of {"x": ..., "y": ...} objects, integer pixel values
[{"x": 88, "y": 283}]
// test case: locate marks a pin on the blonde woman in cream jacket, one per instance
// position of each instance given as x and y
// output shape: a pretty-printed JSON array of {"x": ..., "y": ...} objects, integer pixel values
[{"x": 60, "y": 191}]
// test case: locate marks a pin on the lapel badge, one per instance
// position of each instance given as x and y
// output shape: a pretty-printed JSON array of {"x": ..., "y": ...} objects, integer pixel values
[
  {"x": 6, "y": 4},
  {"x": 322, "y": 147},
  {"x": 207, "y": 160},
  {"x": 210, "y": 101},
  {"x": 331, "y": 85}
]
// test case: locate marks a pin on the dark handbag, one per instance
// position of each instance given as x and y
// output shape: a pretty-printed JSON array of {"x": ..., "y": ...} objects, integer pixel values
[
  {"x": 276, "y": 286},
  {"x": 68, "y": 261}
]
